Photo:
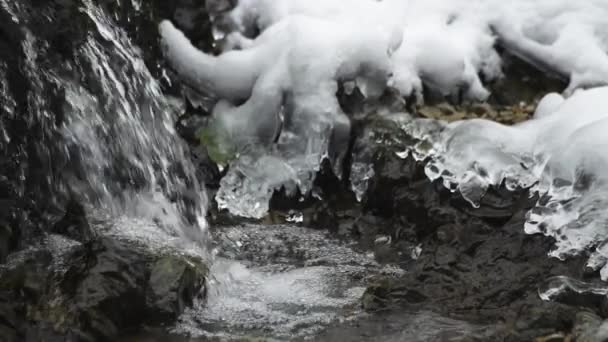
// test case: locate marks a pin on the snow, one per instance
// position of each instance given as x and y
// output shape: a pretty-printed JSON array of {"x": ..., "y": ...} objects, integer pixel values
[
  {"x": 282, "y": 61},
  {"x": 288, "y": 86},
  {"x": 448, "y": 44},
  {"x": 570, "y": 38}
]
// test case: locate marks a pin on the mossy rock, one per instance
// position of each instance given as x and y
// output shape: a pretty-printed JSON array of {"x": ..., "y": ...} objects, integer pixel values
[
  {"x": 96, "y": 291},
  {"x": 175, "y": 281}
]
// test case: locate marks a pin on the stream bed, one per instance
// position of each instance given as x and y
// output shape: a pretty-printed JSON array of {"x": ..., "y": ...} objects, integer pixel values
[{"x": 285, "y": 282}]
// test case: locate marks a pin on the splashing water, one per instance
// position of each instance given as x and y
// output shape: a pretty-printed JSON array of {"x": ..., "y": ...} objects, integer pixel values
[
  {"x": 123, "y": 158},
  {"x": 280, "y": 282},
  {"x": 128, "y": 132}
]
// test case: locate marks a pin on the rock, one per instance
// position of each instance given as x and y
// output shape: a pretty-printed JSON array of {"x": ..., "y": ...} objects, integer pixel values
[
  {"x": 478, "y": 263},
  {"x": 141, "y": 22},
  {"x": 174, "y": 282},
  {"x": 99, "y": 289},
  {"x": 74, "y": 224},
  {"x": 23, "y": 275},
  {"x": 33, "y": 162},
  {"x": 379, "y": 295},
  {"x": 206, "y": 169},
  {"x": 6, "y": 233},
  {"x": 522, "y": 83},
  {"x": 8, "y": 327}
]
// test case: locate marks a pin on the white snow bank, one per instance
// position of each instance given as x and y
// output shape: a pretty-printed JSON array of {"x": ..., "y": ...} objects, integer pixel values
[
  {"x": 288, "y": 86},
  {"x": 567, "y": 37},
  {"x": 448, "y": 43},
  {"x": 279, "y": 73},
  {"x": 561, "y": 154}
]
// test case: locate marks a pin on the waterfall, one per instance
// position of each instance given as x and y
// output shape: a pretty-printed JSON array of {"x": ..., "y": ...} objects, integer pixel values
[{"x": 118, "y": 152}]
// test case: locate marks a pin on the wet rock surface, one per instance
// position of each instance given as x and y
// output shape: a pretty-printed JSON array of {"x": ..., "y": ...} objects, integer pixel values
[
  {"x": 95, "y": 289},
  {"x": 33, "y": 104}
]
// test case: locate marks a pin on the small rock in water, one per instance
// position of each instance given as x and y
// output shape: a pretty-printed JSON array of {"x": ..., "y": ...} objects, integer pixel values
[{"x": 295, "y": 217}]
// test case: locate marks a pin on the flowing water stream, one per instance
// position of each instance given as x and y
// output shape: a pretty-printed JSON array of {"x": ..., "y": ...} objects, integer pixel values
[
  {"x": 124, "y": 161},
  {"x": 283, "y": 282},
  {"x": 121, "y": 129},
  {"x": 280, "y": 281},
  {"x": 117, "y": 151}
]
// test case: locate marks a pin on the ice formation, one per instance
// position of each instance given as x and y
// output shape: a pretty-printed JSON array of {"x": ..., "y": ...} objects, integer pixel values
[
  {"x": 282, "y": 62},
  {"x": 560, "y": 153},
  {"x": 447, "y": 45},
  {"x": 289, "y": 88}
]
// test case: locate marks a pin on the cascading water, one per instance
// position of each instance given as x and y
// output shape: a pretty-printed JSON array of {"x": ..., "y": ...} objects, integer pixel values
[
  {"x": 125, "y": 159},
  {"x": 106, "y": 140}
]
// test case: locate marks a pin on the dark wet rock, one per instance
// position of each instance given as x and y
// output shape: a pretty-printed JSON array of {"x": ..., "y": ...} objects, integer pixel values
[
  {"x": 595, "y": 301},
  {"x": 140, "y": 20},
  {"x": 533, "y": 320},
  {"x": 523, "y": 82},
  {"x": 96, "y": 290},
  {"x": 74, "y": 224},
  {"x": 477, "y": 264},
  {"x": 207, "y": 170},
  {"x": 174, "y": 283},
  {"x": 5, "y": 241},
  {"x": 189, "y": 126}
]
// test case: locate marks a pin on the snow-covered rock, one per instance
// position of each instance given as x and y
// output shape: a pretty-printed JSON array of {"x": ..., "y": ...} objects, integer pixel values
[
  {"x": 283, "y": 60},
  {"x": 560, "y": 154},
  {"x": 288, "y": 87}
]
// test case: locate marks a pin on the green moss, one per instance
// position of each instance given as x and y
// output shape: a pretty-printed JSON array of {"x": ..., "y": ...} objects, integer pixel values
[{"x": 218, "y": 144}]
